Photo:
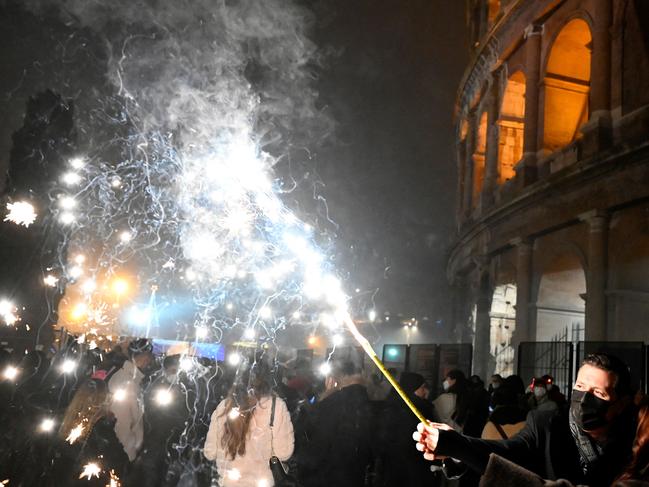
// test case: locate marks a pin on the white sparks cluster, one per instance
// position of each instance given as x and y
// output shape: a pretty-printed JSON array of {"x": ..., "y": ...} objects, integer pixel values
[
  {"x": 20, "y": 213},
  {"x": 8, "y": 312},
  {"x": 91, "y": 469},
  {"x": 75, "y": 433}
]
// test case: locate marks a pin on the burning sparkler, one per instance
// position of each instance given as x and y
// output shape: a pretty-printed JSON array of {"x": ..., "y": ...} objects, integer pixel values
[
  {"x": 21, "y": 213},
  {"x": 90, "y": 470}
]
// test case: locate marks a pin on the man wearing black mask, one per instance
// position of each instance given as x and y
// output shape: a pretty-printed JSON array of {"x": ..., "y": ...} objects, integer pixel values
[{"x": 590, "y": 443}]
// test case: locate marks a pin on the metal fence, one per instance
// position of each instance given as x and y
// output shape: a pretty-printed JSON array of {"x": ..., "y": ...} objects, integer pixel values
[{"x": 536, "y": 359}]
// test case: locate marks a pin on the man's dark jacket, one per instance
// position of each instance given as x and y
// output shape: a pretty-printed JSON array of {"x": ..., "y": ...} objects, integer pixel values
[
  {"x": 546, "y": 447},
  {"x": 338, "y": 447}
]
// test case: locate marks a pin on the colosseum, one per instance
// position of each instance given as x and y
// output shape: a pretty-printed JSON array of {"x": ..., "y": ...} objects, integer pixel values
[{"x": 553, "y": 178}]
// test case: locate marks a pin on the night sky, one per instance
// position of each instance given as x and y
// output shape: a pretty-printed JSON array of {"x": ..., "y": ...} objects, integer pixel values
[{"x": 388, "y": 79}]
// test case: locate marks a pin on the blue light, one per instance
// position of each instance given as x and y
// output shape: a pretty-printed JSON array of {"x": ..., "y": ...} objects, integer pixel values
[{"x": 392, "y": 352}]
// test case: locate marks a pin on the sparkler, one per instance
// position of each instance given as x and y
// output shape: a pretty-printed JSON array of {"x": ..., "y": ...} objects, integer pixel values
[
  {"x": 90, "y": 470},
  {"x": 10, "y": 372},
  {"x": 75, "y": 433},
  {"x": 21, "y": 213}
]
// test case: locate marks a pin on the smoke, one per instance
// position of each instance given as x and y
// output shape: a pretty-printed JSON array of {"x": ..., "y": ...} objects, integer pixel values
[{"x": 209, "y": 96}]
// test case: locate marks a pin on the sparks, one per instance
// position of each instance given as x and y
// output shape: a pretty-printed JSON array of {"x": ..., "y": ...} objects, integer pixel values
[
  {"x": 119, "y": 395},
  {"x": 90, "y": 470},
  {"x": 8, "y": 312},
  {"x": 47, "y": 425},
  {"x": 234, "y": 414},
  {"x": 75, "y": 433},
  {"x": 50, "y": 280},
  {"x": 10, "y": 373},
  {"x": 163, "y": 397},
  {"x": 20, "y": 213}
]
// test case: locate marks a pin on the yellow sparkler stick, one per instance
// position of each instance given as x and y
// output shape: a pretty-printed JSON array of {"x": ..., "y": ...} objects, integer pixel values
[{"x": 386, "y": 373}]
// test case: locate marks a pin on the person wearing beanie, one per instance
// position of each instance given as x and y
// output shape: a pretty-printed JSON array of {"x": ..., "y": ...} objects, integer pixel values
[{"x": 402, "y": 465}]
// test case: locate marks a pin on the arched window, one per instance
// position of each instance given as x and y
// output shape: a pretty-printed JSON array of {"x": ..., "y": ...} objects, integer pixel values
[
  {"x": 494, "y": 10},
  {"x": 479, "y": 158},
  {"x": 567, "y": 84},
  {"x": 512, "y": 124}
]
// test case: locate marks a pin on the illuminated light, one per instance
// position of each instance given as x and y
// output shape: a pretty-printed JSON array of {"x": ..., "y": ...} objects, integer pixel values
[
  {"x": 79, "y": 311},
  {"x": 79, "y": 259},
  {"x": 119, "y": 395},
  {"x": 120, "y": 286},
  {"x": 241, "y": 274},
  {"x": 264, "y": 279},
  {"x": 140, "y": 316},
  {"x": 50, "y": 280},
  {"x": 163, "y": 397},
  {"x": 68, "y": 366},
  {"x": 234, "y": 474},
  {"x": 82, "y": 338},
  {"x": 338, "y": 340},
  {"x": 234, "y": 358},
  {"x": 203, "y": 247},
  {"x": 67, "y": 217},
  {"x": 371, "y": 315},
  {"x": 20, "y": 213},
  {"x": 71, "y": 178},
  {"x": 10, "y": 372},
  {"x": 229, "y": 306},
  {"x": 249, "y": 334},
  {"x": 238, "y": 221},
  {"x": 190, "y": 275},
  {"x": 307, "y": 227},
  {"x": 77, "y": 162},
  {"x": 125, "y": 236},
  {"x": 89, "y": 286},
  {"x": 92, "y": 345},
  {"x": 47, "y": 425},
  {"x": 296, "y": 315},
  {"x": 263, "y": 483},
  {"x": 67, "y": 202},
  {"x": 230, "y": 270},
  {"x": 75, "y": 433},
  {"x": 186, "y": 364},
  {"x": 234, "y": 414},
  {"x": 8, "y": 312},
  {"x": 325, "y": 368},
  {"x": 329, "y": 321},
  {"x": 358, "y": 290},
  {"x": 90, "y": 470},
  {"x": 392, "y": 352},
  {"x": 265, "y": 312},
  {"x": 312, "y": 340},
  {"x": 75, "y": 272},
  {"x": 116, "y": 182},
  {"x": 201, "y": 332}
]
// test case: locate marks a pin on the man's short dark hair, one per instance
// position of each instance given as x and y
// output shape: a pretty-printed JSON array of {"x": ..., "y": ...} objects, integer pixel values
[{"x": 612, "y": 364}]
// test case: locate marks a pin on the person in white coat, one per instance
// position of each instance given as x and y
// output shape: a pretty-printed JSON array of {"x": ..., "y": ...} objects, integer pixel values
[
  {"x": 125, "y": 387},
  {"x": 239, "y": 437}
]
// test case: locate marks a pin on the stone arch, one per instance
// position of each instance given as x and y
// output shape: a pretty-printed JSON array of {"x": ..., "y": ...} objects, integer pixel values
[
  {"x": 479, "y": 155},
  {"x": 559, "y": 297},
  {"x": 511, "y": 126},
  {"x": 567, "y": 84}
]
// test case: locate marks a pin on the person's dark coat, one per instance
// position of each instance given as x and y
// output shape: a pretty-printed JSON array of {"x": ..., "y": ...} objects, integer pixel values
[
  {"x": 503, "y": 473},
  {"x": 403, "y": 464},
  {"x": 101, "y": 446},
  {"x": 338, "y": 446},
  {"x": 546, "y": 447}
]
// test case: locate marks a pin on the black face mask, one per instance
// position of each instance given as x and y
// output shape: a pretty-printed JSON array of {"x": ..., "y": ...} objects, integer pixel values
[{"x": 588, "y": 410}]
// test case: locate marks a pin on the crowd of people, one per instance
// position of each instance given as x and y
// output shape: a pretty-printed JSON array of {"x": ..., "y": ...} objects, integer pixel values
[{"x": 126, "y": 417}]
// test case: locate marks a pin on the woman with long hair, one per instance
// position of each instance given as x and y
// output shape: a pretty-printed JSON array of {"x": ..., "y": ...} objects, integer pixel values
[
  {"x": 90, "y": 454},
  {"x": 638, "y": 469},
  {"x": 240, "y": 438}
]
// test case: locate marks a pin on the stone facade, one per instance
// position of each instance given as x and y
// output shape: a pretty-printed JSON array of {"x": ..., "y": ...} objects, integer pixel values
[{"x": 553, "y": 176}]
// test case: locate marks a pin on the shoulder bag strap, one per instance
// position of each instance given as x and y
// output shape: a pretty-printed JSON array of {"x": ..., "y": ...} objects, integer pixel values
[{"x": 501, "y": 431}]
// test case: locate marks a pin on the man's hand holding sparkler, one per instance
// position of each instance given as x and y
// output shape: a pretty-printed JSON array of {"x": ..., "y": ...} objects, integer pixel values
[{"x": 427, "y": 436}]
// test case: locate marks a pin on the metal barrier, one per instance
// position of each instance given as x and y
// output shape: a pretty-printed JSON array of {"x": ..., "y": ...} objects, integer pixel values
[{"x": 536, "y": 359}]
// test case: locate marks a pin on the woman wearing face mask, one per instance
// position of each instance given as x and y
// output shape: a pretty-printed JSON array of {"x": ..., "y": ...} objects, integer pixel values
[
  {"x": 451, "y": 405},
  {"x": 539, "y": 397}
]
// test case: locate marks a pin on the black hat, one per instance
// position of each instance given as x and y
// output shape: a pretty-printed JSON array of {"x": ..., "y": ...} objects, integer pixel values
[{"x": 410, "y": 381}]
